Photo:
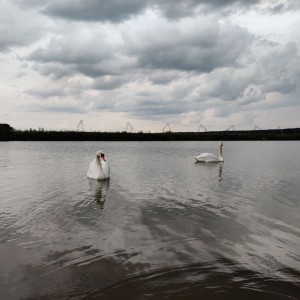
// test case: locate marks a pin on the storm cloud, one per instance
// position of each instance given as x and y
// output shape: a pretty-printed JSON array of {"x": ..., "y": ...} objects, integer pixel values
[{"x": 183, "y": 61}]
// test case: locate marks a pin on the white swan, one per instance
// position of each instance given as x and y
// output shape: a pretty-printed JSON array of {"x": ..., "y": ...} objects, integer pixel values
[
  {"x": 99, "y": 167},
  {"x": 209, "y": 157}
]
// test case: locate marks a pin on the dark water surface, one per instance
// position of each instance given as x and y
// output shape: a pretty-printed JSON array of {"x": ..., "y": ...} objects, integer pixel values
[{"x": 163, "y": 227}]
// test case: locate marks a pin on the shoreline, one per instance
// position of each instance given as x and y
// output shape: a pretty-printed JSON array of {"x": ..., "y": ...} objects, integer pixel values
[{"x": 245, "y": 135}]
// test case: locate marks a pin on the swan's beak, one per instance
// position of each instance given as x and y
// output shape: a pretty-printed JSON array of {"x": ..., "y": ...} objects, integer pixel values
[{"x": 103, "y": 157}]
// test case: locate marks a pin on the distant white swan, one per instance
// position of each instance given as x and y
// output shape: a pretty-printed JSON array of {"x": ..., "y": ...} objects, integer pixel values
[
  {"x": 209, "y": 157},
  {"x": 99, "y": 167}
]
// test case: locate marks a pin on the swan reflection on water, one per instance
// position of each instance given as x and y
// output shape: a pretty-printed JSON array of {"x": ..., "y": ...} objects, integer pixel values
[
  {"x": 220, "y": 171},
  {"x": 99, "y": 189},
  {"x": 206, "y": 166}
]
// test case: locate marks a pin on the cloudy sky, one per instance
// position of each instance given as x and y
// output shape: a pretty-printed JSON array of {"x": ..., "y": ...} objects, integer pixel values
[{"x": 150, "y": 62}]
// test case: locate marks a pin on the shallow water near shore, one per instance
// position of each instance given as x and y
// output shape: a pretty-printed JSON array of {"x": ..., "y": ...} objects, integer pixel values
[{"x": 163, "y": 226}]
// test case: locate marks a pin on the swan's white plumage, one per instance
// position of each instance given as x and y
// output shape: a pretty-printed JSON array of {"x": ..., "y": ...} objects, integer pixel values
[
  {"x": 209, "y": 157},
  {"x": 99, "y": 168}
]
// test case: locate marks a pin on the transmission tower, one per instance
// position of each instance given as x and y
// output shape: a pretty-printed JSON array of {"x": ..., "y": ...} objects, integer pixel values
[
  {"x": 80, "y": 126},
  {"x": 232, "y": 127},
  {"x": 166, "y": 128},
  {"x": 203, "y": 127},
  {"x": 128, "y": 127}
]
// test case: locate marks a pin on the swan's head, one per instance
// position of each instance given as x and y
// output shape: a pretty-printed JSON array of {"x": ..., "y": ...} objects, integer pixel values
[
  {"x": 101, "y": 154},
  {"x": 221, "y": 144}
]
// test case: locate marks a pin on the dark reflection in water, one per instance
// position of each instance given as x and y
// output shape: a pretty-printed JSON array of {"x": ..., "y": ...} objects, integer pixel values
[
  {"x": 99, "y": 189},
  {"x": 221, "y": 279},
  {"x": 220, "y": 171},
  {"x": 213, "y": 165},
  {"x": 163, "y": 227}
]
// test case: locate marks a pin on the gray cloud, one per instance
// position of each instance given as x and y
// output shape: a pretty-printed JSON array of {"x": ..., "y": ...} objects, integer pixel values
[
  {"x": 202, "y": 49},
  {"x": 277, "y": 71},
  {"x": 55, "y": 108},
  {"x": 29, "y": 4},
  {"x": 117, "y": 11},
  {"x": 93, "y": 57},
  {"x": 69, "y": 51},
  {"x": 18, "y": 28},
  {"x": 94, "y": 10},
  {"x": 164, "y": 77},
  {"x": 186, "y": 49},
  {"x": 190, "y": 7},
  {"x": 60, "y": 90},
  {"x": 230, "y": 84},
  {"x": 282, "y": 69},
  {"x": 104, "y": 105},
  {"x": 109, "y": 82},
  {"x": 47, "y": 93},
  {"x": 54, "y": 70},
  {"x": 152, "y": 59},
  {"x": 281, "y": 6},
  {"x": 152, "y": 107},
  {"x": 188, "y": 68}
]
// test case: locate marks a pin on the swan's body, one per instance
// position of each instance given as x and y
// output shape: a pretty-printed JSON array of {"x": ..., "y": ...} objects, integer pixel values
[
  {"x": 209, "y": 157},
  {"x": 99, "y": 168}
]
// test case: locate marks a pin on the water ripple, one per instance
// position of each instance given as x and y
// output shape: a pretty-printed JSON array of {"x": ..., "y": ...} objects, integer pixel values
[
  {"x": 162, "y": 227},
  {"x": 207, "y": 281}
]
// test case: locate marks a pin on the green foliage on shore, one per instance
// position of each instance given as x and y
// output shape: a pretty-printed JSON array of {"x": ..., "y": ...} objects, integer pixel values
[{"x": 44, "y": 135}]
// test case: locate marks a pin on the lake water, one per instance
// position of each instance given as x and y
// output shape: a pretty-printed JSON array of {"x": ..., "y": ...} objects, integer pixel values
[{"x": 163, "y": 227}]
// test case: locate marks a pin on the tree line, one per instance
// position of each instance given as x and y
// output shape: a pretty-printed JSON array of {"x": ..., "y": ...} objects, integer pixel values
[{"x": 7, "y": 133}]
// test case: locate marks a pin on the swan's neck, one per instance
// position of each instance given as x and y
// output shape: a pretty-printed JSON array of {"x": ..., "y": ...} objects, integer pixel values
[{"x": 98, "y": 160}]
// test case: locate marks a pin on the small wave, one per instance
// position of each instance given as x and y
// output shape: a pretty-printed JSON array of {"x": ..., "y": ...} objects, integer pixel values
[{"x": 221, "y": 279}]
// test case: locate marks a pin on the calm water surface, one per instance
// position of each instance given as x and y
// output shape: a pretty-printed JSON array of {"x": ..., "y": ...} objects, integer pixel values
[{"x": 163, "y": 227}]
